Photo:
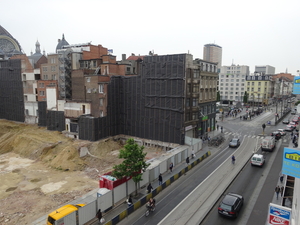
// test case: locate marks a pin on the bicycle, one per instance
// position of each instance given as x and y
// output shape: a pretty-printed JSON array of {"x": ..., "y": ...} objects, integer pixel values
[{"x": 149, "y": 209}]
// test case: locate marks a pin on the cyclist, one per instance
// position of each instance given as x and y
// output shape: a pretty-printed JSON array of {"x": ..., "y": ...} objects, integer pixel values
[
  {"x": 233, "y": 159},
  {"x": 151, "y": 203}
]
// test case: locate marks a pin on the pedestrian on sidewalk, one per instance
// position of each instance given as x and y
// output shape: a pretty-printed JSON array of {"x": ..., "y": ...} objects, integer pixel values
[
  {"x": 281, "y": 178},
  {"x": 99, "y": 215},
  {"x": 281, "y": 190},
  {"x": 160, "y": 180},
  {"x": 217, "y": 127},
  {"x": 193, "y": 154},
  {"x": 233, "y": 159},
  {"x": 277, "y": 190},
  {"x": 129, "y": 201},
  {"x": 187, "y": 160},
  {"x": 149, "y": 188},
  {"x": 221, "y": 129},
  {"x": 171, "y": 166}
]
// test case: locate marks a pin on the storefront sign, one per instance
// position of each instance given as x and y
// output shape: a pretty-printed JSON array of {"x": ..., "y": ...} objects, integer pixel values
[
  {"x": 279, "y": 215},
  {"x": 291, "y": 162}
]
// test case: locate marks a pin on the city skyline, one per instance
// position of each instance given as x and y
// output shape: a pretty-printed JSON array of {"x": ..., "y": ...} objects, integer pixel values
[{"x": 250, "y": 34}]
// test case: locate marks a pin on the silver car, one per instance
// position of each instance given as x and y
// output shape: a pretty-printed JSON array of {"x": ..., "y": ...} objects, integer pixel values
[{"x": 235, "y": 142}]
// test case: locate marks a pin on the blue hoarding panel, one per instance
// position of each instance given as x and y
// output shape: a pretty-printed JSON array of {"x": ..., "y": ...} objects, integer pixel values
[
  {"x": 296, "y": 89},
  {"x": 291, "y": 162}
]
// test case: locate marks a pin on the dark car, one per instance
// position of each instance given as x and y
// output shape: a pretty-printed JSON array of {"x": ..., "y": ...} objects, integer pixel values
[
  {"x": 235, "y": 142},
  {"x": 285, "y": 121},
  {"x": 276, "y": 134},
  {"x": 231, "y": 205}
]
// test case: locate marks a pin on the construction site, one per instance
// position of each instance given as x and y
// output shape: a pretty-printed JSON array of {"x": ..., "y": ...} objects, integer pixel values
[{"x": 41, "y": 170}]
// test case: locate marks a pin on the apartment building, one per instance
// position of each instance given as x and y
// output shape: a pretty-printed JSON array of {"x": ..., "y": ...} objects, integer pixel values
[
  {"x": 201, "y": 98},
  {"x": 259, "y": 89},
  {"x": 232, "y": 83},
  {"x": 264, "y": 70}
]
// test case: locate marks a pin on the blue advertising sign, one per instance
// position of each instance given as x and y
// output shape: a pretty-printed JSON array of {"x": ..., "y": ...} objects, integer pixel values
[
  {"x": 291, "y": 162},
  {"x": 296, "y": 88},
  {"x": 280, "y": 211}
]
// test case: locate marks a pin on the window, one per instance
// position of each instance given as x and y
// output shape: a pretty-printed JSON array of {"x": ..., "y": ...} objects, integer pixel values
[
  {"x": 242, "y": 84},
  {"x": 42, "y": 85},
  {"x": 252, "y": 89},
  {"x": 231, "y": 84},
  {"x": 226, "y": 88},
  {"x": 259, "y": 83},
  {"x": 26, "y": 112},
  {"x": 237, "y": 80},
  {"x": 222, "y": 80},
  {"x": 227, "y": 80},
  {"x": 195, "y": 102},
  {"x": 248, "y": 89},
  {"x": 222, "y": 76},
  {"x": 232, "y": 76},
  {"x": 101, "y": 113},
  {"x": 52, "y": 68},
  {"x": 237, "y": 88},
  {"x": 221, "y": 88},
  {"x": 237, "y": 84},
  {"x": 242, "y": 89},
  {"x": 42, "y": 93},
  {"x": 88, "y": 79},
  {"x": 252, "y": 83},
  {"x": 24, "y": 76},
  {"x": 258, "y": 89},
  {"x": 231, "y": 89},
  {"x": 195, "y": 116},
  {"x": 102, "y": 101},
  {"x": 45, "y": 68},
  {"x": 101, "y": 88},
  {"x": 89, "y": 90},
  {"x": 248, "y": 84},
  {"x": 221, "y": 84},
  {"x": 243, "y": 80},
  {"x": 232, "y": 80},
  {"x": 226, "y": 84},
  {"x": 25, "y": 98},
  {"x": 53, "y": 76},
  {"x": 128, "y": 69}
]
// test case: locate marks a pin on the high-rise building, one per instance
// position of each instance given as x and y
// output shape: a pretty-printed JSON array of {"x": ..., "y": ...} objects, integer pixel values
[{"x": 213, "y": 53}]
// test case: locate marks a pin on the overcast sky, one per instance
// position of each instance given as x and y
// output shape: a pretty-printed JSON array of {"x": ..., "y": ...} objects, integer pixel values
[{"x": 257, "y": 32}]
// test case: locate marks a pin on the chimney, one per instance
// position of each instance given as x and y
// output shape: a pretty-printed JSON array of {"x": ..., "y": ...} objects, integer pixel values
[{"x": 123, "y": 57}]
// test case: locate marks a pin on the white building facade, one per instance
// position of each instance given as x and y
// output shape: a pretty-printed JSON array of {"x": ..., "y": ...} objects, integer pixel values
[
  {"x": 232, "y": 82},
  {"x": 213, "y": 53},
  {"x": 264, "y": 70}
]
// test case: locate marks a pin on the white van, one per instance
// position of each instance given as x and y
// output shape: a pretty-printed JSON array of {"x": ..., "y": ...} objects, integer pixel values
[
  {"x": 257, "y": 160},
  {"x": 268, "y": 144}
]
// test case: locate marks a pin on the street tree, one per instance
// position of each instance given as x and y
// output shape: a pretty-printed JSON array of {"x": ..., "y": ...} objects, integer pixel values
[
  {"x": 218, "y": 96},
  {"x": 133, "y": 164},
  {"x": 245, "y": 100}
]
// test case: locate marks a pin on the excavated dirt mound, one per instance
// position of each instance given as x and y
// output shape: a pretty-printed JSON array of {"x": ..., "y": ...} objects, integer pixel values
[{"x": 41, "y": 170}]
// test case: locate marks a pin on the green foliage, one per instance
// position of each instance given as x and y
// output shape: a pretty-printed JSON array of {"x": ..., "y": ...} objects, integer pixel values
[
  {"x": 246, "y": 95},
  {"x": 134, "y": 161},
  {"x": 218, "y": 96},
  {"x": 297, "y": 103}
]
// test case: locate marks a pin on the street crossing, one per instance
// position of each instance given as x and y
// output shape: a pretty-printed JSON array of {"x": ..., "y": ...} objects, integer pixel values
[{"x": 284, "y": 138}]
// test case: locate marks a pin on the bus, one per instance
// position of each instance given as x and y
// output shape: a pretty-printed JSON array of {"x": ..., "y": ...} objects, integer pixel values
[{"x": 57, "y": 217}]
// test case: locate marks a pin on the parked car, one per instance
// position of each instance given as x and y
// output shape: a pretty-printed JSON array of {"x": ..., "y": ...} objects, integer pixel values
[
  {"x": 231, "y": 205},
  {"x": 235, "y": 142},
  {"x": 288, "y": 128},
  {"x": 292, "y": 126},
  {"x": 276, "y": 134},
  {"x": 268, "y": 144},
  {"x": 257, "y": 160},
  {"x": 285, "y": 121},
  {"x": 282, "y": 132}
]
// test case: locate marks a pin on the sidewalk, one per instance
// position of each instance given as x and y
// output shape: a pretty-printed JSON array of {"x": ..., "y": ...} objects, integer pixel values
[{"x": 166, "y": 176}]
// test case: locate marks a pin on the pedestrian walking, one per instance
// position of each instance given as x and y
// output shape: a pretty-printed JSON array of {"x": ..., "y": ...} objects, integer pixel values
[
  {"x": 281, "y": 190},
  {"x": 233, "y": 159},
  {"x": 160, "y": 180},
  {"x": 281, "y": 178},
  {"x": 193, "y": 154},
  {"x": 99, "y": 216},
  {"x": 221, "y": 129},
  {"x": 187, "y": 160},
  {"x": 129, "y": 201},
  {"x": 149, "y": 188},
  {"x": 217, "y": 127},
  {"x": 240, "y": 117},
  {"x": 171, "y": 166},
  {"x": 277, "y": 190}
]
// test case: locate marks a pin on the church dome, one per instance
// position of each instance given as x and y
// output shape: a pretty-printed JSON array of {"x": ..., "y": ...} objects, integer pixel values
[
  {"x": 8, "y": 44},
  {"x": 61, "y": 42}
]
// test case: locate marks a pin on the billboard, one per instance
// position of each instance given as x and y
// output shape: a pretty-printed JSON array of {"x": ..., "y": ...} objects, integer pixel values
[
  {"x": 279, "y": 215},
  {"x": 296, "y": 88},
  {"x": 291, "y": 162}
]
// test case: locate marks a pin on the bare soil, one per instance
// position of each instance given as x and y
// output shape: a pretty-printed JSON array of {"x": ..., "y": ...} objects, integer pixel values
[{"x": 41, "y": 170}]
